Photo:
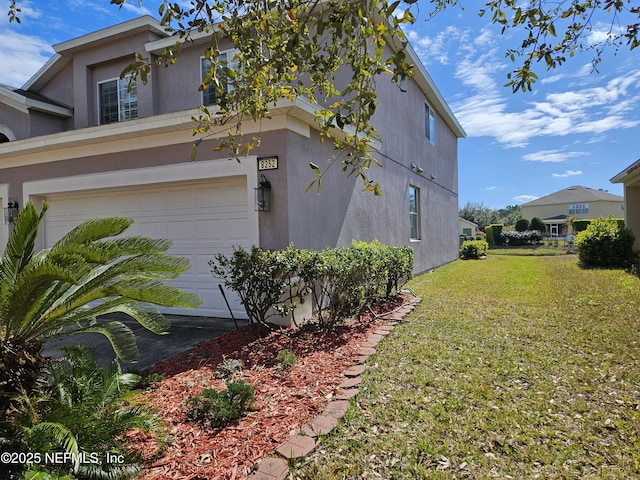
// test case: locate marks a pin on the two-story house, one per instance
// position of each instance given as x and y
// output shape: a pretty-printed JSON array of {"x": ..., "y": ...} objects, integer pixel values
[
  {"x": 558, "y": 209},
  {"x": 76, "y": 137}
]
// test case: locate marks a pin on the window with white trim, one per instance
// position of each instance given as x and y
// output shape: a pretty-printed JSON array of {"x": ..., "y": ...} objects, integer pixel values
[
  {"x": 414, "y": 212},
  {"x": 578, "y": 208},
  {"x": 429, "y": 124},
  {"x": 227, "y": 62},
  {"x": 117, "y": 100}
]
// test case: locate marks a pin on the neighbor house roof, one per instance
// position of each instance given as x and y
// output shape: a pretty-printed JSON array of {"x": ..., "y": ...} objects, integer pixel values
[{"x": 575, "y": 194}]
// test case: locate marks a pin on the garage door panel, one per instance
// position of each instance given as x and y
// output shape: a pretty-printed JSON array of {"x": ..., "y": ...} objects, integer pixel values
[{"x": 201, "y": 219}]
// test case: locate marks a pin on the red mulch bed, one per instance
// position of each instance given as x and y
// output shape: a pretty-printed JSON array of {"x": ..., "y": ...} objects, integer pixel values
[{"x": 285, "y": 399}]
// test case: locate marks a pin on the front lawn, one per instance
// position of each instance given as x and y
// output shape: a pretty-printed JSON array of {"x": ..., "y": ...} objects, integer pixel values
[{"x": 511, "y": 367}]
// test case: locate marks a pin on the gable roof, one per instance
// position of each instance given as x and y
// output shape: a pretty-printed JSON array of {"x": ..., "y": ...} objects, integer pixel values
[
  {"x": 575, "y": 194},
  {"x": 23, "y": 101},
  {"x": 65, "y": 50}
]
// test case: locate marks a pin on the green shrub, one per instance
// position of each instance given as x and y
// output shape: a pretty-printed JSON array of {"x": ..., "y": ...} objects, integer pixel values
[
  {"x": 216, "y": 409},
  {"x": 537, "y": 224},
  {"x": 286, "y": 359},
  {"x": 83, "y": 408},
  {"x": 473, "y": 249},
  {"x": 605, "y": 243},
  {"x": 522, "y": 225},
  {"x": 488, "y": 230},
  {"x": 580, "y": 225},
  {"x": 514, "y": 238},
  {"x": 344, "y": 280},
  {"x": 497, "y": 230},
  {"x": 260, "y": 278}
]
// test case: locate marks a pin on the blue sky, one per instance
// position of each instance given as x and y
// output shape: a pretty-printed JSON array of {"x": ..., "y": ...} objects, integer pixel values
[{"x": 577, "y": 127}]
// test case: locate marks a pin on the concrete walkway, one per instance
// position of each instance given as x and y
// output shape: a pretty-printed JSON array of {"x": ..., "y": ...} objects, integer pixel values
[{"x": 185, "y": 332}]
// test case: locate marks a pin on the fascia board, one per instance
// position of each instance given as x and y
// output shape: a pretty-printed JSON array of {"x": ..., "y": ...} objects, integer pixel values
[
  {"x": 144, "y": 23},
  {"x": 24, "y": 104},
  {"x": 624, "y": 176}
]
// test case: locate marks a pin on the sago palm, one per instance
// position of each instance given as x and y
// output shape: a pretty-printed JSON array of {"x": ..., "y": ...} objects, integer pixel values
[{"x": 68, "y": 288}]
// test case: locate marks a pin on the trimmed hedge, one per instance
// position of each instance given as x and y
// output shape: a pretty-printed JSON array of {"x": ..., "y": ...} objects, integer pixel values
[
  {"x": 343, "y": 281},
  {"x": 493, "y": 233}
]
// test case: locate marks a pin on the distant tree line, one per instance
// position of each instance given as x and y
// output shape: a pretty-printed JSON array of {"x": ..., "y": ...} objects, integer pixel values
[{"x": 481, "y": 215}]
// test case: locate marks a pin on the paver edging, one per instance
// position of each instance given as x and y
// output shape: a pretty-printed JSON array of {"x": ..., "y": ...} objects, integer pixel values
[{"x": 298, "y": 446}]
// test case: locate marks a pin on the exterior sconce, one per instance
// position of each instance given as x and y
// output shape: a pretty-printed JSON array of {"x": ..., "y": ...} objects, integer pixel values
[
  {"x": 11, "y": 211},
  {"x": 263, "y": 195}
]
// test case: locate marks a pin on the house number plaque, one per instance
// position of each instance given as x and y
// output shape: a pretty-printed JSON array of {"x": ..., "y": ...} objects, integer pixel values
[{"x": 267, "y": 163}]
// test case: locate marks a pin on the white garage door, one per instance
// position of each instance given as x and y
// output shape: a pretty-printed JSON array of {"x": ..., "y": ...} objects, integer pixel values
[{"x": 201, "y": 218}]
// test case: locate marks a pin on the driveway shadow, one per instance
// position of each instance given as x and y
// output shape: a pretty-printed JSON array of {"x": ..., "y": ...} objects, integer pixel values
[{"x": 186, "y": 332}]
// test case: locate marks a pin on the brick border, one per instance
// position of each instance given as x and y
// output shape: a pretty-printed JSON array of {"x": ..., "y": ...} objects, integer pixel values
[{"x": 304, "y": 442}]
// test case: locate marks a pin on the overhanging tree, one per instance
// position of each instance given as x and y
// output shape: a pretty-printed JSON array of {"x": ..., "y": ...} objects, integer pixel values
[{"x": 295, "y": 48}]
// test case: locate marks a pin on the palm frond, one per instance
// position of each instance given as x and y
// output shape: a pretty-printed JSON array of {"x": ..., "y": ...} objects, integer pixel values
[
  {"x": 157, "y": 293},
  {"x": 120, "y": 336},
  {"x": 20, "y": 245},
  {"x": 142, "y": 245},
  {"x": 25, "y": 294},
  {"x": 58, "y": 434},
  {"x": 91, "y": 231}
]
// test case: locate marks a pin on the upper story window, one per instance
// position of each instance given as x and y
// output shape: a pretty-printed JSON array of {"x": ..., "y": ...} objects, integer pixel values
[
  {"x": 117, "y": 100},
  {"x": 214, "y": 93},
  {"x": 578, "y": 208},
  {"x": 429, "y": 124},
  {"x": 414, "y": 212}
]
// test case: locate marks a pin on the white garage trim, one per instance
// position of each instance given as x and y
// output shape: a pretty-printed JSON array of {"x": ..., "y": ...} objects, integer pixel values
[
  {"x": 4, "y": 228},
  {"x": 212, "y": 169}
]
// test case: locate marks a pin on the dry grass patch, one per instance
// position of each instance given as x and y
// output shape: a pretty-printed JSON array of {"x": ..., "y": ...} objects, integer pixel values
[{"x": 513, "y": 367}]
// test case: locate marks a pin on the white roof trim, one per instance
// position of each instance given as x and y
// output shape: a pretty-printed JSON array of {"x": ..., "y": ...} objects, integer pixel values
[
  {"x": 623, "y": 175},
  {"x": 24, "y": 104},
  {"x": 144, "y": 23}
]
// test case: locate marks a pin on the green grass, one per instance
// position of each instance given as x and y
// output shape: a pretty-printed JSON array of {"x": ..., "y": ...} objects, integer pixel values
[
  {"x": 511, "y": 367},
  {"x": 547, "y": 249}
]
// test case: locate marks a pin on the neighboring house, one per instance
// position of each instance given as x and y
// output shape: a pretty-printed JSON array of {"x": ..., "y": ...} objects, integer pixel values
[
  {"x": 73, "y": 136},
  {"x": 558, "y": 209},
  {"x": 468, "y": 228},
  {"x": 630, "y": 179}
]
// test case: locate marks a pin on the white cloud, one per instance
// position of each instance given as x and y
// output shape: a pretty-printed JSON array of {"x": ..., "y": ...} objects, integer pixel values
[
  {"x": 524, "y": 198},
  {"x": 488, "y": 111},
  {"x": 568, "y": 173},
  {"x": 491, "y": 187},
  {"x": 551, "y": 156},
  {"x": 21, "y": 56},
  {"x": 436, "y": 47}
]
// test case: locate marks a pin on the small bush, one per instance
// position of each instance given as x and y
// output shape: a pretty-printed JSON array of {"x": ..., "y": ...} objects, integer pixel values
[
  {"x": 286, "y": 359},
  {"x": 473, "y": 249},
  {"x": 605, "y": 243},
  {"x": 537, "y": 224},
  {"x": 216, "y": 409},
  {"x": 229, "y": 368},
  {"x": 522, "y": 225}
]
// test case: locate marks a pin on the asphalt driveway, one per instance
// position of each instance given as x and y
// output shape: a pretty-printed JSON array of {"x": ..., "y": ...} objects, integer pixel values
[{"x": 185, "y": 332}]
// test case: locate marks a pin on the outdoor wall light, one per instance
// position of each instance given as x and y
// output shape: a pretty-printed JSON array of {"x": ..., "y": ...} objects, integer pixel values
[
  {"x": 11, "y": 211},
  {"x": 420, "y": 170},
  {"x": 263, "y": 195}
]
